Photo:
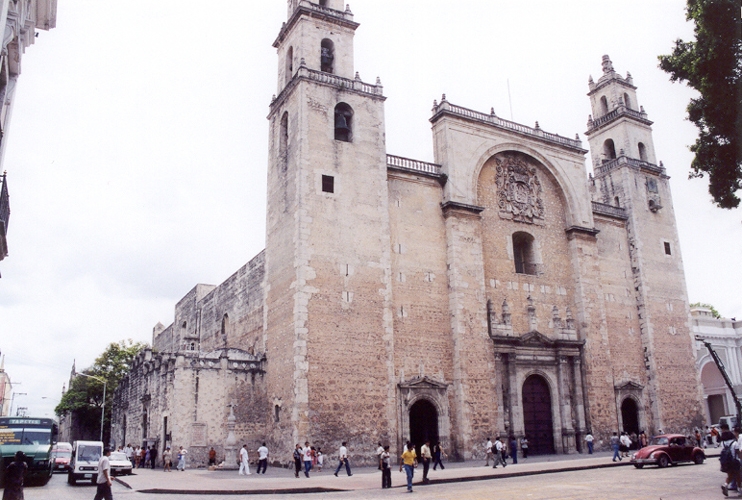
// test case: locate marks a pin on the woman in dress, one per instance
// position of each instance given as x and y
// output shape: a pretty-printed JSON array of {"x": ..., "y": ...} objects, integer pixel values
[{"x": 14, "y": 477}]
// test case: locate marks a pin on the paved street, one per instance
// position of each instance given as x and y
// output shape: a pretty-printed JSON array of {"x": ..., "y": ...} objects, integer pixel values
[{"x": 683, "y": 482}]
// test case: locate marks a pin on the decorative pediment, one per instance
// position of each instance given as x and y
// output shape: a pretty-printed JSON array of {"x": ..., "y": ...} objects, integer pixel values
[
  {"x": 536, "y": 338},
  {"x": 629, "y": 386},
  {"x": 422, "y": 383}
]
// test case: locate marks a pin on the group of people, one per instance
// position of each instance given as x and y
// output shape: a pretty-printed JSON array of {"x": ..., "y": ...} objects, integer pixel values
[
  {"x": 501, "y": 448},
  {"x": 143, "y": 456},
  {"x": 307, "y": 458},
  {"x": 245, "y": 459}
]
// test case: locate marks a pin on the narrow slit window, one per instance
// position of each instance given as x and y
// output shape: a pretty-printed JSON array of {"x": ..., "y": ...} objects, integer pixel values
[{"x": 668, "y": 250}]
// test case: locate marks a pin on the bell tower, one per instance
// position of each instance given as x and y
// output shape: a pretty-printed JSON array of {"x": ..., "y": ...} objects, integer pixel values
[
  {"x": 328, "y": 319},
  {"x": 628, "y": 176}
]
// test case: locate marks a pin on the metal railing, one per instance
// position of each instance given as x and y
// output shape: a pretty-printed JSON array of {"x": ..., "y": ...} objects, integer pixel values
[
  {"x": 493, "y": 119},
  {"x": 339, "y": 81},
  {"x": 409, "y": 164}
]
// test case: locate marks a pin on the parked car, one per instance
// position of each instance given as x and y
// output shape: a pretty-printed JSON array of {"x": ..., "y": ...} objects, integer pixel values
[
  {"x": 62, "y": 453},
  {"x": 119, "y": 463},
  {"x": 668, "y": 449}
]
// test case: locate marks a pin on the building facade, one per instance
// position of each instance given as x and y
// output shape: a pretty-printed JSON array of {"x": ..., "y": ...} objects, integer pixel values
[
  {"x": 21, "y": 19},
  {"x": 725, "y": 337},
  {"x": 498, "y": 291}
]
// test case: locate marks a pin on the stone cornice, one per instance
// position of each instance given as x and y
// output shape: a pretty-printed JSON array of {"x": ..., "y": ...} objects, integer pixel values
[
  {"x": 572, "y": 230},
  {"x": 455, "y": 208}
]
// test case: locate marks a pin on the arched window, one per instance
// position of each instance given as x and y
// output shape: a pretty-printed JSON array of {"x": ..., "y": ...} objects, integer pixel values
[
  {"x": 524, "y": 254},
  {"x": 604, "y": 105},
  {"x": 626, "y": 100},
  {"x": 283, "y": 138},
  {"x": 609, "y": 149},
  {"x": 343, "y": 122},
  {"x": 289, "y": 64},
  {"x": 327, "y": 56},
  {"x": 642, "y": 151}
]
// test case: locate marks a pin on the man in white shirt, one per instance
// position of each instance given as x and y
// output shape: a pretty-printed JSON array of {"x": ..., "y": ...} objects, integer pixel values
[
  {"x": 244, "y": 461},
  {"x": 589, "y": 440},
  {"x": 626, "y": 442},
  {"x": 498, "y": 452},
  {"x": 343, "y": 458},
  {"x": 426, "y": 456},
  {"x": 307, "y": 452},
  {"x": 104, "y": 477},
  {"x": 488, "y": 450},
  {"x": 379, "y": 451},
  {"x": 262, "y": 458}
]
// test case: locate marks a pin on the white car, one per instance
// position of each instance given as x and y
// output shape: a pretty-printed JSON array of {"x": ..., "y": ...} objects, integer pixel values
[{"x": 119, "y": 463}]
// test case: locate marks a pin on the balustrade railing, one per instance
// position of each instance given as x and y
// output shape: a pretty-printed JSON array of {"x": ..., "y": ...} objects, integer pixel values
[
  {"x": 327, "y": 10},
  {"x": 409, "y": 164},
  {"x": 620, "y": 111},
  {"x": 609, "y": 165},
  {"x": 609, "y": 210},
  {"x": 500, "y": 122}
]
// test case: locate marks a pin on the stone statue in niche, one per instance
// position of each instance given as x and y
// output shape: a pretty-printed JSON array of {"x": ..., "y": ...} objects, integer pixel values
[{"x": 518, "y": 190}]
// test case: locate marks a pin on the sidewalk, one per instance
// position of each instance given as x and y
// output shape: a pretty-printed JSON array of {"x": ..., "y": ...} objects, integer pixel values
[{"x": 279, "y": 480}]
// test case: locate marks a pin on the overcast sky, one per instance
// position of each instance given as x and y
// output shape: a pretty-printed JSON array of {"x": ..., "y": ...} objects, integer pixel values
[{"x": 138, "y": 145}]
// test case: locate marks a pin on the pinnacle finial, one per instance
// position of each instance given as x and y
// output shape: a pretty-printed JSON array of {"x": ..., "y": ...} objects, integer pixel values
[{"x": 607, "y": 64}]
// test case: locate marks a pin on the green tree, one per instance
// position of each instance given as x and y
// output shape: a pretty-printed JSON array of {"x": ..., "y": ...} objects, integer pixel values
[
  {"x": 711, "y": 308},
  {"x": 84, "y": 397},
  {"x": 712, "y": 66}
]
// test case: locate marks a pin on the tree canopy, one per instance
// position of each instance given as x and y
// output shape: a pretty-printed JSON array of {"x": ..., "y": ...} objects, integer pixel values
[
  {"x": 712, "y": 65},
  {"x": 84, "y": 397},
  {"x": 711, "y": 308}
]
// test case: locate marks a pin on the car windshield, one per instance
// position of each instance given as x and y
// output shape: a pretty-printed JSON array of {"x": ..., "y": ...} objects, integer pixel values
[
  {"x": 21, "y": 435},
  {"x": 63, "y": 454},
  {"x": 89, "y": 453},
  {"x": 659, "y": 441},
  {"x": 118, "y": 456}
]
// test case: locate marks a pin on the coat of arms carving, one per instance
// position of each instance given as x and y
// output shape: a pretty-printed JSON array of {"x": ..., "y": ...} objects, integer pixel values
[{"x": 518, "y": 190}]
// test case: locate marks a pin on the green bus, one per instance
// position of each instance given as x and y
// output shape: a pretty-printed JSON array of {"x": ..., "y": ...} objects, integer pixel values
[{"x": 34, "y": 437}]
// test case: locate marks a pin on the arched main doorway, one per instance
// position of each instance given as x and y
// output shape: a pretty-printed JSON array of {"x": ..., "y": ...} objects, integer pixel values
[
  {"x": 630, "y": 416},
  {"x": 423, "y": 424},
  {"x": 537, "y": 418}
]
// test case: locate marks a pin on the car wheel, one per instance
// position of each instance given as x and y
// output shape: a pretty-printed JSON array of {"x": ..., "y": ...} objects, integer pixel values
[
  {"x": 94, "y": 481},
  {"x": 663, "y": 461},
  {"x": 71, "y": 479},
  {"x": 699, "y": 458},
  {"x": 639, "y": 466}
]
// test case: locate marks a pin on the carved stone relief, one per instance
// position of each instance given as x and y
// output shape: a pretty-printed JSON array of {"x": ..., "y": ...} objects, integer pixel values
[{"x": 518, "y": 190}]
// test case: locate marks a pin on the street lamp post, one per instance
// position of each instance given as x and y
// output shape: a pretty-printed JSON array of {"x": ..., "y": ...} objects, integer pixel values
[
  {"x": 103, "y": 405},
  {"x": 12, "y": 398}
]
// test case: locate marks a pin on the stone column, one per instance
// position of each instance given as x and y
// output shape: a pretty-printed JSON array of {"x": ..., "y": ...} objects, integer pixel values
[
  {"x": 230, "y": 445},
  {"x": 579, "y": 408},
  {"x": 565, "y": 406}
]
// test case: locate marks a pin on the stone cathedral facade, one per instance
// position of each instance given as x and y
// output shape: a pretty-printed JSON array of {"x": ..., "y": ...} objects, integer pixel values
[{"x": 500, "y": 290}]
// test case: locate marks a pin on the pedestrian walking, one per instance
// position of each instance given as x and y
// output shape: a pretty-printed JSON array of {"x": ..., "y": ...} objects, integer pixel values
[
  {"x": 343, "y": 459},
  {"x": 320, "y": 459},
  {"x": 386, "y": 471},
  {"x": 498, "y": 452},
  {"x": 489, "y": 451},
  {"x": 104, "y": 477},
  {"x": 244, "y": 461},
  {"x": 524, "y": 446},
  {"x": 426, "y": 456},
  {"x": 729, "y": 459},
  {"x": 438, "y": 452},
  {"x": 153, "y": 456},
  {"x": 625, "y": 444},
  {"x": 409, "y": 459},
  {"x": 615, "y": 445},
  {"x": 182, "y": 452},
  {"x": 642, "y": 439},
  {"x": 167, "y": 460},
  {"x": 589, "y": 440},
  {"x": 14, "y": 473},
  {"x": 297, "y": 460},
  {"x": 307, "y": 455},
  {"x": 145, "y": 462},
  {"x": 262, "y": 458},
  {"x": 514, "y": 449}
]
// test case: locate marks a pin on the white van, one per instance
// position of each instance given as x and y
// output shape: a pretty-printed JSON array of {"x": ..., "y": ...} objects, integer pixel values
[{"x": 84, "y": 461}]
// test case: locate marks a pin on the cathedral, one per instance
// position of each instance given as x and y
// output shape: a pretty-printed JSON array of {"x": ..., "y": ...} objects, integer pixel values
[{"x": 501, "y": 290}]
